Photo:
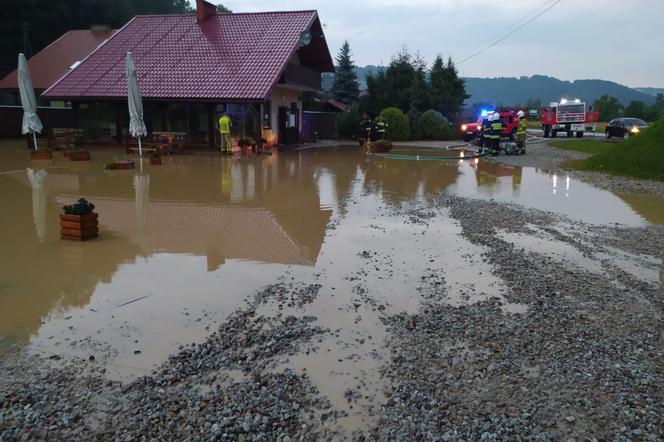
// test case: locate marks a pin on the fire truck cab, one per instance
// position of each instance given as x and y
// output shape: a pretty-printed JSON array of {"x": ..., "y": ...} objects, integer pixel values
[{"x": 569, "y": 116}]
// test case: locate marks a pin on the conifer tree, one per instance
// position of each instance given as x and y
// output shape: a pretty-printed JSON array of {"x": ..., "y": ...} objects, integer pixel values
[{"x": 345, "y": 87}]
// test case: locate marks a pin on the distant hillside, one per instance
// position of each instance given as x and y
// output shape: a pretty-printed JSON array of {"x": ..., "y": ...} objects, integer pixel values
[
  {"x": 515, "y": 91},
  {"x": 328, "y": 79},
  {"x": 650, "y": 90},
  {"x": 509, "y": 91}
]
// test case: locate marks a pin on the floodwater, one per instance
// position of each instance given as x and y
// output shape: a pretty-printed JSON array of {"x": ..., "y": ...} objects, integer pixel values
[{"x": 185, "y": 243}]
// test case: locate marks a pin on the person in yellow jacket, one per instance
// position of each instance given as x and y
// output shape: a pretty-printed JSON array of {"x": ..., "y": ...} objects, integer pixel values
[
  {"x": 225, "y": 125},
  {"x": 521, "y": 132}
]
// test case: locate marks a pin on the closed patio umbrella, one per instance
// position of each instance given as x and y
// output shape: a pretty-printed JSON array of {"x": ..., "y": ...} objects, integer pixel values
[
  {"x": 31, "y": 122},
  {"x": 136, "y": 124},
  {"x": 37, "y": 179}
]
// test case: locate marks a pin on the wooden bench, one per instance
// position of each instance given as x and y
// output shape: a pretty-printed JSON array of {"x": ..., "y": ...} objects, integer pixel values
[
  {"x": 65, "y": 138},
  {"x": 162, "y": 142}
]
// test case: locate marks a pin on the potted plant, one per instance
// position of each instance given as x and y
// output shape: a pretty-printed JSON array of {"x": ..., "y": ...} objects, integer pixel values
[
  {"x": 79, "y": 222},
  {"x": 155, "y": 157},
  {"x": 44, "y": 154}
]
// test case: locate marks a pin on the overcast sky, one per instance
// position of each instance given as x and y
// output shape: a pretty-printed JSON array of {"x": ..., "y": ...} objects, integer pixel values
[{"x": 618, "y": 40}]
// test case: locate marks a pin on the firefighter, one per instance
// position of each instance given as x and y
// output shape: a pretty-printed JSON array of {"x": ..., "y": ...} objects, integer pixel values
[
  {"x": 366, "y": 128},
  {"x": 381, "y": 128},
  {"x": 483, "y": 131},
  {"x": 495, "y": 132},
  {"x": 521, "y": 132},
  {"x": 224, "y": 126}
]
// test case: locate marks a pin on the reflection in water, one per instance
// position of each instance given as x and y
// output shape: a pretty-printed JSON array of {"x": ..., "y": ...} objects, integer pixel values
[
  {"x": 37, "y": 179},
  {"x": 142, "y": 190},
  {"x": 211, "y": 230}
]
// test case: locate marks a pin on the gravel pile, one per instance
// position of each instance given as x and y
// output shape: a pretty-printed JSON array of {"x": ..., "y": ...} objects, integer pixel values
[
  {"x": 227, "y": 388},
  {"x": 584, "y": 363},
  {"x": 291, "y": 294}
]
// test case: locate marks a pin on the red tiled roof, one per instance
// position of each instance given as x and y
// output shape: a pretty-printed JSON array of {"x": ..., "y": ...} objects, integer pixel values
[
  {"x": 52, "y": 62},
  {"x": 226, "y": 56}
]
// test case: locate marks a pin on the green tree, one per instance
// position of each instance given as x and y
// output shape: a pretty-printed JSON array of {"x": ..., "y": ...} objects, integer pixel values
[
  {"x": 609, "y": 107},
  {"x": 535, "y": 104},
  {"x": 419, "y": 90},
  {"x": 432, "y": 125},
  {"x": 398, "y": 126},
  {"x": 34, "y": 24},
  {"x": 345, "y": 87},
  {"x": 222, "y": 8},
  {"x": 637, "y": 109},
  {"x": 348, "y": 122},
  {"x": 391, "y": 87},
  {"x": 657, "y": 109},
  {"x": 448, "y": 91}
]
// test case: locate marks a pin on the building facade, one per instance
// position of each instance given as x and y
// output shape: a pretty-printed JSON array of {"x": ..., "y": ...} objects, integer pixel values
[{"x": 254, "y": 66}]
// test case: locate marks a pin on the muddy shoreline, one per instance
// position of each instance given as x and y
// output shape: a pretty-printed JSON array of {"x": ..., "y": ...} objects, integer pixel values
[{"x": 565, "y": 341}]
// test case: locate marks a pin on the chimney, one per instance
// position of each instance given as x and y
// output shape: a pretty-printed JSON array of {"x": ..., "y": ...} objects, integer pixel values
[{"x": 204, "y": 10}]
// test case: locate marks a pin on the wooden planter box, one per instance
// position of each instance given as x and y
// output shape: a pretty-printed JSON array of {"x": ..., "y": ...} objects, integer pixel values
[
  {"x": 123, "y": 165},
  {"x": 41, "y": 154},
  {"x": 155, "y": 160},
  {"x": 81, "y": 155},
  {"x": 79, "y": 227}
]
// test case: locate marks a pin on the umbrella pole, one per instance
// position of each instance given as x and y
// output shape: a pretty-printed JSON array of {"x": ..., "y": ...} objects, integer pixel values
[
  {"x": 34, "y": 137},
  {"x": 140, "y": 147}
]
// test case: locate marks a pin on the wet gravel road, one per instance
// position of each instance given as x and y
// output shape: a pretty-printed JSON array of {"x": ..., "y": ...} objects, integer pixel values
[{"x": 583, "y": 360}]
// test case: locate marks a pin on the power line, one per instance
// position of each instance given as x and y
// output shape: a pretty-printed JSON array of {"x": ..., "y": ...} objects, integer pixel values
[{"x": 476, "y": 53}]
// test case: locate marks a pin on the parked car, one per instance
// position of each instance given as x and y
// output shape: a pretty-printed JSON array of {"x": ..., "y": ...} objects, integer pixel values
[{"x": 625, "y": 127}]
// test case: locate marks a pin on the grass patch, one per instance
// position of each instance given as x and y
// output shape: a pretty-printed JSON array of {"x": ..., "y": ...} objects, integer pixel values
[{"x": 638, "y": 157}]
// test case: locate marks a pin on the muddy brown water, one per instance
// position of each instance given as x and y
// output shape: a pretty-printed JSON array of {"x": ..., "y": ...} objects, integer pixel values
[{"x": 183, "y": 244}]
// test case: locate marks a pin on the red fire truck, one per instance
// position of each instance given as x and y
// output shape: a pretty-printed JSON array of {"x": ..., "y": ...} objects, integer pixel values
[
  {"x": 569, "y": 116},
  {"x": 470, "y": 131}
]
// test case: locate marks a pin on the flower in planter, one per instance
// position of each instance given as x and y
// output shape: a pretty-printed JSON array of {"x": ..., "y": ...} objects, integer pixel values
[{"x": 81, "y": 207}]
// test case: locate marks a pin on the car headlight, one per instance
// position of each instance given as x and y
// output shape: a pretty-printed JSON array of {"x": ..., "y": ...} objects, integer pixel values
[
  {"x": 635, "y": 130},
  {"x": 464, "y": 128}
]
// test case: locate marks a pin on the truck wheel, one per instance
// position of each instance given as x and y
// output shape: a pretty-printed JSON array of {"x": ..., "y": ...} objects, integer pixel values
[
  {"x": 569, "y": 134},
  {"x": 608, "y": 134},
  {"x": 547, "y": 132},
  {"x": 579, "y": 134},
  {"x": 554, "y": 134}
]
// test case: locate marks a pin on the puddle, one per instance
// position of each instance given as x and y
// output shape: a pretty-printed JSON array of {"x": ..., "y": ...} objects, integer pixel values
[
  {"x": 183, "y": 244},
  {"x": 543, "y": 244}
]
